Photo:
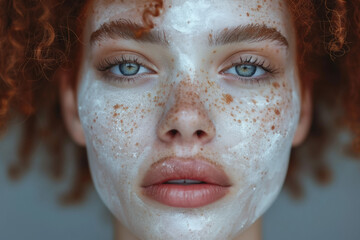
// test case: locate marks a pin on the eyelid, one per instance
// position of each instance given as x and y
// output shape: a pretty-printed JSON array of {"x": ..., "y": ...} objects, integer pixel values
[
  {"x": 246, "y": 58},
  {"x": 106, "y": 63},
  {"x": 271, "y": 70}
]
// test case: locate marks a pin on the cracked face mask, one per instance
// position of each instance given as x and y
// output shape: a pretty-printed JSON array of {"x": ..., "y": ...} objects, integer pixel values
[{"x": 189, "y": 125}]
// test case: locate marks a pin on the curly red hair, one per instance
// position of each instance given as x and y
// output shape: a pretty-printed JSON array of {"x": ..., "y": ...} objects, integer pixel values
[{"x": 39, "y": 37}]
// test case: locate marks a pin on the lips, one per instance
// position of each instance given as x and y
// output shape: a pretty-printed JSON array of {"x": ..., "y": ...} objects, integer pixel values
[{"x": 185, "y": 182}]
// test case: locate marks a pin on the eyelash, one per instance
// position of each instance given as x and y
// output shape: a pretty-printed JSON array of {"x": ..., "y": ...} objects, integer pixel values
[
  {"x": 105, "y": 65},
  {"x": 254, "y": 61}
]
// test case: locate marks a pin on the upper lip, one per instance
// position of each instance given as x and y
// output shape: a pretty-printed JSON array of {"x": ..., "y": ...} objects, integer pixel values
[{"x": 175, "y": 168}]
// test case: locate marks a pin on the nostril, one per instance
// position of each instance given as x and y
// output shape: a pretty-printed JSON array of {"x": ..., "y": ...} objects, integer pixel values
[
  {"x": 200, "y": 133},
  {"x": 172, "y": 133}
]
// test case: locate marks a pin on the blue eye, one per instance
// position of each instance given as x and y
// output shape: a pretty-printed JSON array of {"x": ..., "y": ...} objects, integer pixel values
[
  {"x": 128, "y": 69},
  {"x": 246, "y": 70}
]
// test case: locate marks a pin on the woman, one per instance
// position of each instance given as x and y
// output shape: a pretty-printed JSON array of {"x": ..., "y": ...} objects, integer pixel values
[{"x": 188, "y": 110}]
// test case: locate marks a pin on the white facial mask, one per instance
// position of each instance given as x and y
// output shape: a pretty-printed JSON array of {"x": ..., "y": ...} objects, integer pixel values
[{"x": 190, "y": 83}]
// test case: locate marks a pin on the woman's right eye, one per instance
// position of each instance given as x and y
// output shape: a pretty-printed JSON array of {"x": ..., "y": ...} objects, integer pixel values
[{"x": 128, "y": 69}]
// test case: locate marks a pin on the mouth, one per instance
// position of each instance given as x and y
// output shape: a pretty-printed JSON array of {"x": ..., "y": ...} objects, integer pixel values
[{"x": 185, "y": 182}]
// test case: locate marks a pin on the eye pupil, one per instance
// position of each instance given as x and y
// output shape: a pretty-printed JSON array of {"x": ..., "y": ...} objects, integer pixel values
[
  {"x": 245, "y": 70},
  {"x": 129, "y": 69}
]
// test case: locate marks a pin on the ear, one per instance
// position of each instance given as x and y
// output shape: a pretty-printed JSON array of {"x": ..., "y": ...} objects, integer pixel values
[
  {"x": 65, "y": 78},
  {"x": 305, "y": 119}
]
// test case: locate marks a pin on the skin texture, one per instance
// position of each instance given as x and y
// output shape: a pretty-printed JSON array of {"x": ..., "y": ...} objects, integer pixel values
[{"x": 247, "y": 125}]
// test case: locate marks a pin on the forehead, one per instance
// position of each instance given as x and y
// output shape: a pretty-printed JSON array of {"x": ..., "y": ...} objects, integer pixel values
[{"x": 194, "y": 16}]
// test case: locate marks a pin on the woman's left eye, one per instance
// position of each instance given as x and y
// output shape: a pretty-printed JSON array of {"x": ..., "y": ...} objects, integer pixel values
[
  {"x": 128, "y": 69},
  {"x": 246, "y": 70}
]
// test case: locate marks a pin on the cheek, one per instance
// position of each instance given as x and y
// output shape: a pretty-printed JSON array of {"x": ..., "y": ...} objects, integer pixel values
[
  {"x": 257, "y": 137},
  {"x": 119, "y": 127}
]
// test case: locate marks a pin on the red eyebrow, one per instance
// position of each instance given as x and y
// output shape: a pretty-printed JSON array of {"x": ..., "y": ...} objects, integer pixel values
[
  {"x": 247, "y": 33},
  {"x": 127, "y": 29}
]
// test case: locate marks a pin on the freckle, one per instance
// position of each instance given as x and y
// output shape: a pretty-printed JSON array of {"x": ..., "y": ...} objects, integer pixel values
[
  {"x": 276, "y": 85},
  {"x": 172, "y": 60},
  {"x": 272, "y": 127},
  {"x": 94, "y": 120},
  {"x": 137, "y": 144},
  {"x": 121, "y": 121},
  {"x": 228, "y": 98},
  {"x": 117, "y": 106},
  {"x": 253, "y": 101},
  {"x": 254, "y": 120},
  {"x": 252, "y": 110},
  {"x": 277, "y": 112},
  {"x": 247, "y": 14},
  {"x": 239, "y": 121},
  {"x": 214, "y": 51},
  {"x": 115, "y": 115}
]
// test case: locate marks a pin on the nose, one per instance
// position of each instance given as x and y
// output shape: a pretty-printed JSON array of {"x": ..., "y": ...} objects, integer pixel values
[{"x": 186, "y": 122}]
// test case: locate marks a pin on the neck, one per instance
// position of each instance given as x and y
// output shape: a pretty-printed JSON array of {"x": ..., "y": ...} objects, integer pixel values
[{"x": 252, "y": 233}]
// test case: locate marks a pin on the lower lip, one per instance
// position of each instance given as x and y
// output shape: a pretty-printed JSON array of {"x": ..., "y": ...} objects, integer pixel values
[{"x": 185, "y": 196}]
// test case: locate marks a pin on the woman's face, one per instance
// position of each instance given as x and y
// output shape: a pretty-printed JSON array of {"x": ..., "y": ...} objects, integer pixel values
[{"x": 188, "y": 127}]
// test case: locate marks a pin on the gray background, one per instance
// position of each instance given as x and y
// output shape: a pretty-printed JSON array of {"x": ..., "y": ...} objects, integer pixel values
[{"x": 29, "y": 208}]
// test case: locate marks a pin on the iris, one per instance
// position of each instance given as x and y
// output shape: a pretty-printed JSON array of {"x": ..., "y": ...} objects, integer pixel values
[
  {"x": 129, "y": 69},
  {"x": 245, "y": 70}
]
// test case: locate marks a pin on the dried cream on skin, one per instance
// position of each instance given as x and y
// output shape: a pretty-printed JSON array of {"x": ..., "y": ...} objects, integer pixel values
[{"x": 189, "y": 78}]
